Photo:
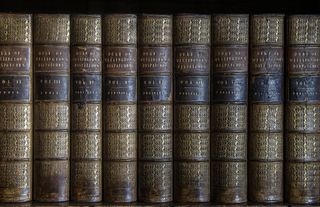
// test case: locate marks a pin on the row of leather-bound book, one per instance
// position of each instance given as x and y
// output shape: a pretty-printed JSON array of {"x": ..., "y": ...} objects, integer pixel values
[{"x": 221, "y": 108}]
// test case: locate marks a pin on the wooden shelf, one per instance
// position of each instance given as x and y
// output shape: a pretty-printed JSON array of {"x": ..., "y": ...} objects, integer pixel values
[{"x": 160, "y": 6}]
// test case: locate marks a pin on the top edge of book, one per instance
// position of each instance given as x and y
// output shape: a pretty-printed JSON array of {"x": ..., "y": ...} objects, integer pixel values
[
  {"x": 230, "y": 15},
  {"x": 155, "y": 15},
  {"x": 302, "y": 15},
  {"x": 132, "y": 15},
  {"x": 269, "y": 15},
  {"x": 86, "y": 15}
]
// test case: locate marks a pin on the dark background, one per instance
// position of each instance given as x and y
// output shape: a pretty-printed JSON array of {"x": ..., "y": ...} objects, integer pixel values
[{"x": 161, "y": 6}]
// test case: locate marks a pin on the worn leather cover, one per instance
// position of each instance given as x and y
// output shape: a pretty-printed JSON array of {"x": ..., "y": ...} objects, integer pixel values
[
  {"x": 86, "y": 108},
  {"x": 265, "y": 173},
  {"x": 120, "y": 107},
  {"x": 192, "y": 108},
  {"x": 15, "y": 107},
  {"x": 229, "y": 108},
  {"x": 302, "y": 110},
  {"x": 155, "y": 108},
  {"x": 51, "y": 107}
]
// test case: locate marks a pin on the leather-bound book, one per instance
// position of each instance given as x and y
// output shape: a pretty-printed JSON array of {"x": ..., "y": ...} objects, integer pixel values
[
  {"x": 192, "y": 108},
  {"x": 15, "y": 107},
  {"x": 120, "y": 107},
  {"x": 51, "y": 107},
  {"x": 155, "y": 108},
  {"x": 266, "y": 90},
  {"x": 302, "y": 140},
  {"x": 86, "y": 109},
  {"x": 229, "y": 108}
]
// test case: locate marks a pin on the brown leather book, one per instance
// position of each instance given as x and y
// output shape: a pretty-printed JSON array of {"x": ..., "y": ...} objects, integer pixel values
[
  {"x": 51, "y": 107},
  {"x": 155, "y": 108},
  {"x": 15, "y": 107},
  {"x": 192, "y": 108},
  {"x": 86, "y": 109},
  {"x": 265, "y": 169},
  {"x": 229, "y": 108},
  {"x": 120, "y": 107},
  {"x": 302, "y": 173}
]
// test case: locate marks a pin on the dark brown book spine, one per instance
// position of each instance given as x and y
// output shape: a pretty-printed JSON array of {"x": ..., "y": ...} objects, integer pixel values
[
  {"x": 86, "y": 109},
  {"x": 229, "y": 108},
  {"x": 155, "y": 108},
  {"x": 265, "y": 169},
  {"x": 51, "y": 107},
  {"x": 192, "y": 108},
  {"x": 120, "y": 107},
  {"x": 15, "y": 107},
  {"x": 302, "y": 141}
]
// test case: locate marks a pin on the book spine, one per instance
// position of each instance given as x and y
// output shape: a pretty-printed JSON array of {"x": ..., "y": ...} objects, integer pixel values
[
  {"x": 192, "y": 108},
  {"x": 155, "y": 108},
  {"x": 120, "y": 107},
  {"x": 15, "y": 107},
  {"x": 86, "y": 108},
  {"x": 265, "y": 148},
  {"x": 302, "y": 110},
  {"x": 229, "y": 108},
  {"x": 51, "y": 107}
]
